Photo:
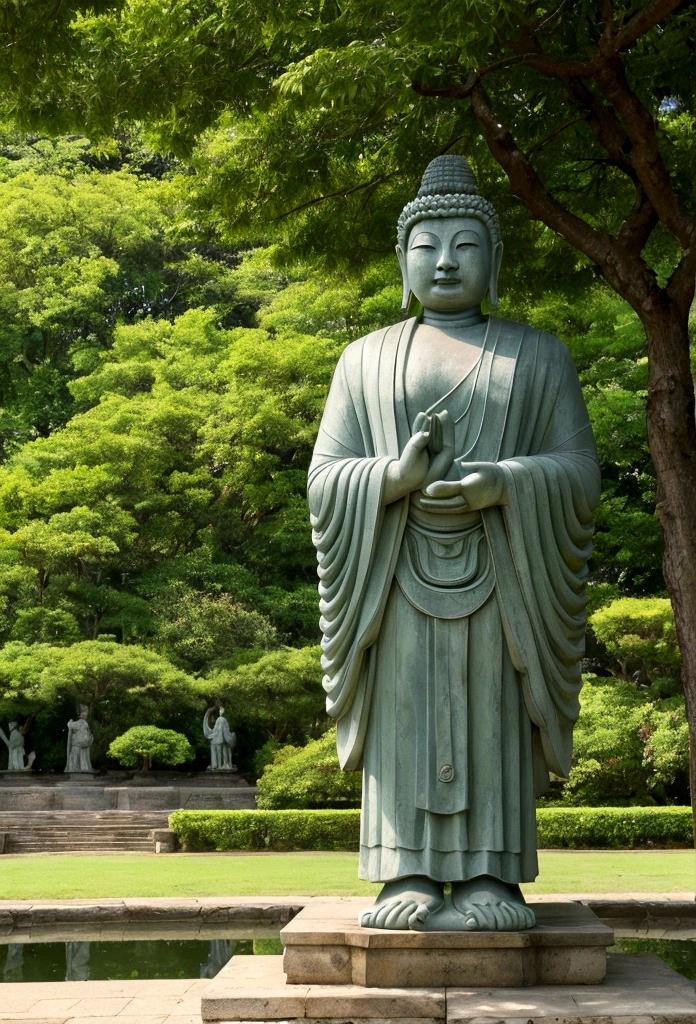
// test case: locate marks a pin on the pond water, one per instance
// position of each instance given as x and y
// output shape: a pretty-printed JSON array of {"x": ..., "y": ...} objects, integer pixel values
[
  {"x": 111, "y": 961},
  {"x": 678, "y": 953}
]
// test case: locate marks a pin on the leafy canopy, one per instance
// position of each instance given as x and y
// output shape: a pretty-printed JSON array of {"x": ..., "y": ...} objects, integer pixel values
[{"x": 146, "y": 745}]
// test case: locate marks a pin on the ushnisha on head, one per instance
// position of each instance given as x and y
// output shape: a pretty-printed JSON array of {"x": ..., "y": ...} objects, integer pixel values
[{"x": 449, "y": 245}]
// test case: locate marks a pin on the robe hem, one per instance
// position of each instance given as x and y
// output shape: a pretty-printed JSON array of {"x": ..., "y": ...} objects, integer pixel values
[{"x": 385, "y": 864}]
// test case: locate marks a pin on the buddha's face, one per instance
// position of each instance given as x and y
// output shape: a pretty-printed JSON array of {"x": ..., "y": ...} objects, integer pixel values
[{"x": 450, "y": 263}]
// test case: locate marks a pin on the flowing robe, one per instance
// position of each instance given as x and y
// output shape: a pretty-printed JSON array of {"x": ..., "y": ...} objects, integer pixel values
[
  {"x": 222, "y": 741},
  {"x": 80, "y": 740},
  {"x": 452, "y": 643}
]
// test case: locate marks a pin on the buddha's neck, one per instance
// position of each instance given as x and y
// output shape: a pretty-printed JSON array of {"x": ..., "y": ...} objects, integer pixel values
[{"x": 455, "y": 318}]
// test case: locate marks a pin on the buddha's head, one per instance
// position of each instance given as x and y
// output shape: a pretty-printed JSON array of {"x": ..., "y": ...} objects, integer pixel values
[{"x": 449, "y": 244}]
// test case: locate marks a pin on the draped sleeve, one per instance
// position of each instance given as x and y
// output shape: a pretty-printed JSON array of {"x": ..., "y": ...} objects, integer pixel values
[
  {"x": 541, "y": 541},
  {"x": 356, "y": 537}
]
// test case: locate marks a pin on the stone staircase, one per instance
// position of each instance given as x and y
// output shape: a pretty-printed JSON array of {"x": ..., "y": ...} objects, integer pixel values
[{"x": 80, "y": 831}]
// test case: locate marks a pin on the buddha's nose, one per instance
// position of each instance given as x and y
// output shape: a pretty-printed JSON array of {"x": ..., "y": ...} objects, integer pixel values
[{"x": 448, "y": 260}]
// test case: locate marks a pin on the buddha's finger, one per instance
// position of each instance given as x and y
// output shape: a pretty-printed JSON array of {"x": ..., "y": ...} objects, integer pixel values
[
  {"x": 447, "y": 424},
  {"x": 420, "y": 440},
  {"x": 421, "y": 422},
  {"x": 444, "y": 489}
]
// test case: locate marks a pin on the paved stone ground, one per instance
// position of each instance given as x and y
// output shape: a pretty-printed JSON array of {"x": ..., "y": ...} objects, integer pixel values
[
  {"x": 174, "y": 1001},
  {"x": 102, "y": 1002}
]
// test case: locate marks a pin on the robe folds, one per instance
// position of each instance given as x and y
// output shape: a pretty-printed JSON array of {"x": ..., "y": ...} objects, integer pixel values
[{"x": 452, "y": 652}]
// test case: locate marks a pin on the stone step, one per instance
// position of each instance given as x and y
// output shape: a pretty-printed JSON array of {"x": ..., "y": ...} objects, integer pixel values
[{"x": 59, "y": 831}]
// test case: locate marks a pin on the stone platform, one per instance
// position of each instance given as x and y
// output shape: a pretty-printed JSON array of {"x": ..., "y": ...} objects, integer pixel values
[
  {"x": 637, "y": 990},
  {"x": 325, "y": 945},
  {"x": 124, "y": 791}
]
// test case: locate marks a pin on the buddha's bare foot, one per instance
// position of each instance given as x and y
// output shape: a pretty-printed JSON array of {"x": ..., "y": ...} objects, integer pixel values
[
  {"x": 487, "y": 904},
  {"x": 404, "y": 903}
]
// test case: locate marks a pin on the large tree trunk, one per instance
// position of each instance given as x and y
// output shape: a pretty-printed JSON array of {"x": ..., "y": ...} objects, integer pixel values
[{"x": 672, "y": 438}]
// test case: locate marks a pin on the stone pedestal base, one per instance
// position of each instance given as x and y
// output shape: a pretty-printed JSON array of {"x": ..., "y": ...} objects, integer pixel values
[
  {"x": 637, "y": 990},
  {"x": 325, "y": 945}
]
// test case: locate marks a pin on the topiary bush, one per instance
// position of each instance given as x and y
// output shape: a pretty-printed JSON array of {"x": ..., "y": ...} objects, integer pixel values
[
  {"x": 309, "y": 777},
  {"x": 144, "y": 744},
  {"x": 639, "y": 631},
  {"x": 559, "y": 828}
]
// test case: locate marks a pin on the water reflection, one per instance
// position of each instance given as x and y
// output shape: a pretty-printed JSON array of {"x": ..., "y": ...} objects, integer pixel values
[
  {"x": 14, "y": 962},
  {"x": 77, "y": 961},
  {"x": 103, "y": 960},
  {"x": 217, "y": 957}
]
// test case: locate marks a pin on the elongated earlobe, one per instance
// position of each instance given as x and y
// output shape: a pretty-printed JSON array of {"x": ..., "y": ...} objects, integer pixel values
[
  {"x": 406, "y": 293},
  {"x": 495, "y": 271}
]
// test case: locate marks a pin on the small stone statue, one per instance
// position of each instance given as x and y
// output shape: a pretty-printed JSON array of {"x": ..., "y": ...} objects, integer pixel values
[
  {"x": 222, "y": 742},
  {"x": 15, "y": 747},
  {"x": 451, "y": 495},
  {"x": 80, "y": 740}
]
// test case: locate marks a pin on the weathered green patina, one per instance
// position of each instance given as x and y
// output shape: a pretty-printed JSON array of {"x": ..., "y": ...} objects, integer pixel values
[{"x": 451, "y": 493}]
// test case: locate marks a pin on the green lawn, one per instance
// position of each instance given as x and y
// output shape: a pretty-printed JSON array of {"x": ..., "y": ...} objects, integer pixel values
[{"x": 59, "y": 876}]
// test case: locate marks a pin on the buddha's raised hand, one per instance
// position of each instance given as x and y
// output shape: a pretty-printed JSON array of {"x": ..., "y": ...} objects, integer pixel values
[
  {"x": 482, "y": 485},
  {"x": 410, "y": 471},
  {"x": 441, "y": 447}
]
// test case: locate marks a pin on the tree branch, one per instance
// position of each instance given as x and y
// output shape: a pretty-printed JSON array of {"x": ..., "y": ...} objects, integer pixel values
[
  {"x": 333, "y": 195},
  {"x": 638, "y": 225},
  {"x": 644, "y": 20},
  {"x": 626, "y": 272},
  {"x": 463, "y": 89},
  {"x": 611, "y": 42},
  {"x": 605, "y": 126},
  {"x": 682, "y": 284},
  {"x": 645, "y": 152},
  {"x": 554, "y": 134}
]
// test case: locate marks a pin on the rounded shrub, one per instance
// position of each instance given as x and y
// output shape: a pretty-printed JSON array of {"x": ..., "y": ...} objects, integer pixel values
[
  {"x": 308, "y": 776},
  {"x": 147, "y": 744}
]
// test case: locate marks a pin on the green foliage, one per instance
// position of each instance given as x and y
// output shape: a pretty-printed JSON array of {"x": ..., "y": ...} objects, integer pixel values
[
  {"x": 120, "y": 684},
  {"x": 608, "y": 345},
  {"x": 311, "y": 109},
  {"x": 264, "y": 756},
  {"x": 639, "y": 634},
  {"x": 267, "y": 830},
  {"x": 201, "y": 629},
  {"x": 82, "y": 251},
  {"x": 147, "y": 745},
  {"x": 581, "y": 828},
  {"x": 627, "y": 747},
  {"x": 184, "y": 475},
  {"x": 614, "y": 828},
  {"x": 280, "y": 694},
  {"x": 309, "y": 777}
]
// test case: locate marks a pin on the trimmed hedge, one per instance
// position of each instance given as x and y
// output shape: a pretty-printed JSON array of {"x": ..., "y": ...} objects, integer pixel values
[
  {"x": 559, "y": 828},
  {"x": 614, "y": 828},
  {"x": 267, "y": 830}
]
